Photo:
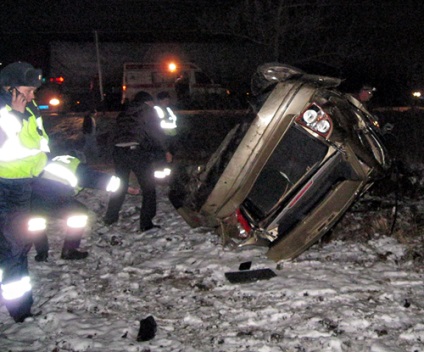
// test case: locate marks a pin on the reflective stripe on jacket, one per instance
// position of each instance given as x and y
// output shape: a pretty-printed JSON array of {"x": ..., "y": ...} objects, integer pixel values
[
  {"x": 69, "y": 171},
  {"x": 63, "y": 169},
  {"x": 168, "y": 120},
  {"x": 24, "y": 145}
]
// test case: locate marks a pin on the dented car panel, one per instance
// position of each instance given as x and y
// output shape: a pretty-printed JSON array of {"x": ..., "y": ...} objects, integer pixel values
[
  {"x": 254, "y": 150},
  {"x": 284, "y": 178}
]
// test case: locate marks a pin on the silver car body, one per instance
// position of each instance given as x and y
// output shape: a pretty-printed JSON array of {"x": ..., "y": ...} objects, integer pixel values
[{"x": 286, "y": 179}]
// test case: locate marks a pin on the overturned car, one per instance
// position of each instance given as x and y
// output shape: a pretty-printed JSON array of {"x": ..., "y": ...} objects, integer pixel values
[{"x": 285, "y": 176}]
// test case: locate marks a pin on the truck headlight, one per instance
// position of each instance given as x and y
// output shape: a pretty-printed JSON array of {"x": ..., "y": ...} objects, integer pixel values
[{"x": 54, "y": 102}]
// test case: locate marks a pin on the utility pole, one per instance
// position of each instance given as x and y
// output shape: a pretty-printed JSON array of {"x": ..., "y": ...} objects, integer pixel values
[{"x": 99, "y": 70}]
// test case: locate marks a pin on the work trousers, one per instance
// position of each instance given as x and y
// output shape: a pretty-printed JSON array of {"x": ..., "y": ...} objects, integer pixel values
[
  {"x": 140, "y": 162},
  {"x": 56, "y": 200},
  {"x": 15, "y": 198}
]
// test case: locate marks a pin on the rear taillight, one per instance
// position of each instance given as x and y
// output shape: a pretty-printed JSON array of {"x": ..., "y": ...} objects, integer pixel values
[
  {"x": 317, "y": 120},
  {"x": 244, "y": 225}
]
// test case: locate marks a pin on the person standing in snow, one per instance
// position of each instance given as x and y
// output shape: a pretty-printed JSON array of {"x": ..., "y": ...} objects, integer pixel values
[
  {"x": 54, "y": 195},
  {"x": 182, "y": 88},
  {"x": 168, "y": 119},
  {"x": 362, "y": 96},
  {"x": 365, "y": 94},
  {"x": 23, "y": 155},
  {"x": 139, "y": 141},
  {"x": 90, "y": 149}
]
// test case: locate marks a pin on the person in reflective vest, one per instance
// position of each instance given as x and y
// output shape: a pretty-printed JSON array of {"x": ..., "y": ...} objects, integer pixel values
[
  {"x": 53, "y": 196},
  {"x": 168, "y": 123},
  {"x": 23, "y": 155},
  {"x": 168, "y": 120},
  {"x": 139, "y": 142}
]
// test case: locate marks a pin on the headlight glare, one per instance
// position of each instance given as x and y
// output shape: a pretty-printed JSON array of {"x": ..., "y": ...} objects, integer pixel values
[{"x": 54, "y": 102}]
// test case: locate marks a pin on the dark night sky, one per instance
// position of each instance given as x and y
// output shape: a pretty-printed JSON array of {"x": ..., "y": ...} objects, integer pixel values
[
  {"x": 392, "y": 29},
  {"x": 30, "y": 25}
]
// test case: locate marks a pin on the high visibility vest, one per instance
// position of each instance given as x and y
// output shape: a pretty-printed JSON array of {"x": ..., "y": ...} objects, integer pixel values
[
  {"x": 63, "y": 169},
  {"x": 168, "y": 120},
  {"x": 25, "y": 144}
]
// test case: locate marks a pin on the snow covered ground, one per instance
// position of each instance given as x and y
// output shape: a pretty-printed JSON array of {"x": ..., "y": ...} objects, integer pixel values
[
  {"x": 344, "y": 295},
  {"x": 341, "y": 296}
]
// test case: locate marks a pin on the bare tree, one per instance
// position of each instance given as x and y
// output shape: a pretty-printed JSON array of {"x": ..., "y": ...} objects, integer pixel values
[{"x": 290, "y": 30}]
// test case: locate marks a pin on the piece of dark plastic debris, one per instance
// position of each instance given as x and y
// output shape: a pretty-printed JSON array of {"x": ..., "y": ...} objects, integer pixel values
[
  {"x": 115, "y": 241},
  {"x": 249, "y": 275},
  {"x": 147, "y": 330},
  {"x": 245, "y": 266}
]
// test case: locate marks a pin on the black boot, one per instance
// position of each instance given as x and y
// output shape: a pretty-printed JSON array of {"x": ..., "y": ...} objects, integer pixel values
[
  {"x": 20, "y": 308},
  {"x": 21, "y": 318},
  {"x": 73, "y": 254},
  {"x": 41, "y": 257},
  {"x": 109, "y": 221},
  {"x": 149, "y": 227}
]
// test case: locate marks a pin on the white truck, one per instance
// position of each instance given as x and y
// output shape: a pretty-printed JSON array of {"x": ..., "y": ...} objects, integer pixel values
[{"x": 196, "y": 89}]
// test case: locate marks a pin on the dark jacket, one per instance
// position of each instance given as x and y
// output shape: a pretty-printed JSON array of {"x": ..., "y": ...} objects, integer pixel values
[
  {"x": 5, "y": 98},
  {"x": 88, "y": 125},
  {"x": 139, "y": 123}
]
